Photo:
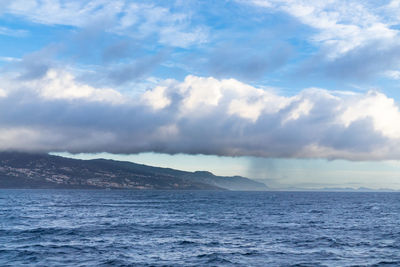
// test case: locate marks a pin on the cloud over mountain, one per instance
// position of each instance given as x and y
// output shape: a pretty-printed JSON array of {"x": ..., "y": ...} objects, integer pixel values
[
  {"x": 193, "y": 77},
  {"x": 197, "y": 115}
]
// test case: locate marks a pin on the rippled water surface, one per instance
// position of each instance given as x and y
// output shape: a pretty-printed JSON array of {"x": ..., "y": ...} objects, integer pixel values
[{"x": 195, "y": 228}]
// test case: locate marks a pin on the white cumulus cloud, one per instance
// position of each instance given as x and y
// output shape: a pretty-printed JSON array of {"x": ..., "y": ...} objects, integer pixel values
[{"x": 58, "y": 84}]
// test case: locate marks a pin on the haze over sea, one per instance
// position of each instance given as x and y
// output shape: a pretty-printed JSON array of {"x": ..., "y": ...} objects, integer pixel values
[{"x": 198, "y": 228}]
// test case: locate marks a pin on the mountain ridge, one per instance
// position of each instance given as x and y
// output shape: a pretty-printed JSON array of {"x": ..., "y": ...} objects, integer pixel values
[{"x": 31, "y": 170}]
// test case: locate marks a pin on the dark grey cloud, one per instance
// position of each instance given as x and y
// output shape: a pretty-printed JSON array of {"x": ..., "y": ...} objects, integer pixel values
[
  {"x": 362, "y": 64},
  {"x": 90, "y": 41},
  {"x": 120, "y": 50},
  {"x": 35, "y": 65},
  {"x": 247, "y": 63},
  {"x": 123, "y": 73},
  {"x": 365, "y": 63}
]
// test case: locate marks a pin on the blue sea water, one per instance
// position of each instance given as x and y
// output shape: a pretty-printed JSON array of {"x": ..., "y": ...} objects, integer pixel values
[{"x": 198, "y": 228}]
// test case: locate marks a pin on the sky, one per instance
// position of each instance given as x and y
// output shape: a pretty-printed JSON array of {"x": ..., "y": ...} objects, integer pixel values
[{"x": 294, "y": 93}]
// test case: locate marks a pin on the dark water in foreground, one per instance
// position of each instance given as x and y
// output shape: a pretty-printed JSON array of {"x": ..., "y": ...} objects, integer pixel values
[{"x": 174, "y": 228}]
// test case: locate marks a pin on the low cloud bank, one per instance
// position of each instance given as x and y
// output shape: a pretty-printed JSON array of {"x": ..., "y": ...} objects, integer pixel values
[{"x": 198, "y": 115}]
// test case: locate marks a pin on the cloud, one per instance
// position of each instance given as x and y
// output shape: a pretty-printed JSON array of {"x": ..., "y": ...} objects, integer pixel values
[
  {"x": 35, "y": 65},
  {"x": 3, "y": 93},
  {"x": 342, "y": 26},
  {"x": 136, "y": 20},
  {"x": 381, "y": 110},
  {"x": 62, "y": 85},
  {"x": 173, "y": 28},
  {"x": 119, "y": 50},
  {"x": 9, "y": 59},
  {"x": 355, "y": 40},
  {"x": 123, "y": 73},
  {"x": 197, "y": 115},
  {"x": 247, "y": 61},
  {"x": 343, "y": 40},
  {"x": 393, "y": 74},
  {"x": 73, "y": 13},
  {"x": 13, "y": 32},
  {"x": 360, "y": 64}
]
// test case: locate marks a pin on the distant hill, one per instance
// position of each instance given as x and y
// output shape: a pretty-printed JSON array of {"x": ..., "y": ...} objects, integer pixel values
[{"x": 25, "y": 170}]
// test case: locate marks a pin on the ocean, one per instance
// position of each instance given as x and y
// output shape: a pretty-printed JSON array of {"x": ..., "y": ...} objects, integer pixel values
[{"x": 198, "y": 228}]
